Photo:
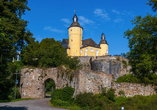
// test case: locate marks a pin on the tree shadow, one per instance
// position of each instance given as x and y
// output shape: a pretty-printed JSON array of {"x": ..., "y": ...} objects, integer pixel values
[{"x": 12, "y": 108}]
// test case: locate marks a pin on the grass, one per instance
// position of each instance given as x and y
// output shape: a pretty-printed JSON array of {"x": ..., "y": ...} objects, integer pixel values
[
  {"x": 129, "y": 103},
  {"x": 72, "y": 107},
  {"x": 1, "y": 101}
]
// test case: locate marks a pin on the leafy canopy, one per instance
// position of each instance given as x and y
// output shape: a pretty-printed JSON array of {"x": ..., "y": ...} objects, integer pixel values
[
  {"x": 13, "y": 35},
  {"x": 47, "y": 53},
  {"x": 142, "y": 43}
]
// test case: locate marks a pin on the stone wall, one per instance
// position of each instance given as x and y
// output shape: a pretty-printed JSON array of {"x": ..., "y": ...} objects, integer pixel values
[
  {"x": 90, "y": 81},
  {"x": 117, "y": 67},
  {"x": 33, "y": 80},
  {"x": 132, "y": 89}
]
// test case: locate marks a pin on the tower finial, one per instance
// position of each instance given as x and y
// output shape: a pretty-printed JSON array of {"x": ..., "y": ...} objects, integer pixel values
[
  {"x": 102, "y": 31},
  {"x": 75, "y": 11}
]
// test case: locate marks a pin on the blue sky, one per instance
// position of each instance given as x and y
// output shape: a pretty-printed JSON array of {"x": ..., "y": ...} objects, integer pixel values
[{"x": 51, "y": 18}]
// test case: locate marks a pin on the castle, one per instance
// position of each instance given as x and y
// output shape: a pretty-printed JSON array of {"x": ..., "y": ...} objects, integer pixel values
[{"x": 75, "y": 46}]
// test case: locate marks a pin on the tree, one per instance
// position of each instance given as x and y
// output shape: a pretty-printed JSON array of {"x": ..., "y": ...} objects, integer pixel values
[
  {"x": 153, "y": 3},
  {"x": 47, "y": 53},
  {"x": 13, "y": 35},
  {"x": 142, "y": 43}
]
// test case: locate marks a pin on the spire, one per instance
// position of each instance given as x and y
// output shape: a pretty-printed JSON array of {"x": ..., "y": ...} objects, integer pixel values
[
  {"x": 75, "y": 18},
  {"x": 102, "y": 36}
]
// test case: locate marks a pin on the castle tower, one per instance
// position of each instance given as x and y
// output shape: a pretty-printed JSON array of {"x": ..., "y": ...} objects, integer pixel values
[
  {"x": 103, "y": 45},
  {"x": 75, "y": 37}
]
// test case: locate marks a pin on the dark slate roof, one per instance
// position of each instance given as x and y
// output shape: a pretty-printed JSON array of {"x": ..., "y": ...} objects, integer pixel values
[
  {"x": 65, "y": 43},
  {"x": 103, "y": 41},
  {"x": 85, "y": 43},
  {"x": 75, "y": 22},
  {"x": 89, "y": 42}
]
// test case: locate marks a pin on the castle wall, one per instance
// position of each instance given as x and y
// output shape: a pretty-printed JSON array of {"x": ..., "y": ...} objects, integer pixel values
[
  {"x": 33, "y": 80},
  {"x": 132, "y": 89},
  {"x": 102, "y": 64}
]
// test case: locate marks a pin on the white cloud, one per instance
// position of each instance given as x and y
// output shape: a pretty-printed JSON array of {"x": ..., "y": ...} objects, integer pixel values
[
  {"x": 54, "y": 29},
  {"x": 128, "y": 13},
  {"x": 84, "y": 20},
  {"x": 102, "y": 14},
  {"x": 115, "y": 11},
  {"x": 65, "y": 20},
  {"x": 118, "y": 20}
]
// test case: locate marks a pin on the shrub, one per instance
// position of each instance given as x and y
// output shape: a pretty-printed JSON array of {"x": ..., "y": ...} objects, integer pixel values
[
  {"x": 56, "y": 94},
  {"x": 83, "y": 99},
  {"x": 12, "y": 94},
  {"x": 121, "y": 93},
  {"x": 67, "y": 93},
  {"x": 59, "y": 102},
  {"x": 110, "y": 94},
  {"x": 64, "y": 94}
]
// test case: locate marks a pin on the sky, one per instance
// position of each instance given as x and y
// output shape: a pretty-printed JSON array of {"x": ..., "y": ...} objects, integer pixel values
[{"x": 51, "y": 18}]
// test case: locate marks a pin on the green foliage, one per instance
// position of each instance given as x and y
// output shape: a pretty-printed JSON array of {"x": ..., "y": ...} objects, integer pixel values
[
  {"x": 50, "y": 83},
  {"x": 47, "y": 53},
  {"x": 142, "y": 43},
  {"x": 149, "y": 79},
  {"x": 83, "y": 99},
  {"x": 11, "y": 96},
  {"x": 121, "y": 93},
  {"x": 56, "y": 94},
  {"x": 128, "y": 78},
  {"x": 62, "y": 95},
  {"x": 16, "y": 65},
  {"x": 94, "y": 102},
  {"x": 110, "y": 94},
  {"x": 13, "y": 36},
  {"x": 124, "y": 63},
  {"x": 59, "y": 102},
  {"x": 153, "y": 3}
]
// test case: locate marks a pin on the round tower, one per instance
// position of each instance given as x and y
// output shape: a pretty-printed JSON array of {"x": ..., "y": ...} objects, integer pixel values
[
  {"x": 103, "y": 45},
  {"x": 75, "y": 37}
]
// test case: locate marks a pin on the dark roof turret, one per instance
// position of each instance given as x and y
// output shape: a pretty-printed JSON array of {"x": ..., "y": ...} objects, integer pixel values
[
  {"x": 103, "y": 41},
  {"x": 75, "y": 22}
]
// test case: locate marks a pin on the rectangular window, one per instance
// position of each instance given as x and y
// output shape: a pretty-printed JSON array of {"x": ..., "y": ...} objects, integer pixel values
[{"x": 86, "y": 49}]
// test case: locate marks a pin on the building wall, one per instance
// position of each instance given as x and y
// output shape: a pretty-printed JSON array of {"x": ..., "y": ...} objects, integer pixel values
[
  {"x": 90, "y": 51},
  {"x": 75, "y": 40},
  {"x": 104, "y": 49}
]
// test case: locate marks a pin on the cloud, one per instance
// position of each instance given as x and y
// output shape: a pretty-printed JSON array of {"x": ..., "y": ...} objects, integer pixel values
[
  {"x": 118, "y": 20},
  {"x": 128, "y": 13},
  {"x": 53, "y": 29},
  {"x": 65, "y": 20},
  {"x": 84, "y": 20},
  {"x": 115, "y": 11},
  {"x": 102, "y": 14}
]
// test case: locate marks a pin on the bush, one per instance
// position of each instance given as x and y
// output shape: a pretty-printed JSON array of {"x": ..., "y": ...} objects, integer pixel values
[
  {"x": 110, "y": 94},
  {"x": 83, "y": 99},
  {"x": 59, "y": 102},
  {"x": 12, "y": 94},
  {"x": 64, "y": 94},
  {"x": 67, "y": 93},
  {"x": 121, "y": 93},
  {"x": 56, "y": 94}
]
